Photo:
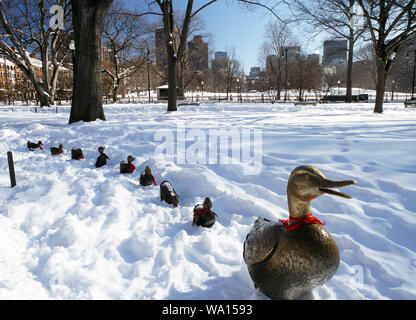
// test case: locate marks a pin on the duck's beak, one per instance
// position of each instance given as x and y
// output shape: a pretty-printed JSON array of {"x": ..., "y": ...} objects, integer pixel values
[{"x": 327, "y": 184}]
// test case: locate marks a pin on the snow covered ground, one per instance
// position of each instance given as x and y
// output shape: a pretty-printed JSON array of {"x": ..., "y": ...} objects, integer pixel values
[{"x": 71, "y": 231}]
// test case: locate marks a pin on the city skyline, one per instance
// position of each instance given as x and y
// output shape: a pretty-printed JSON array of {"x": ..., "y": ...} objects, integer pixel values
[{"x": 230, "y": 25}]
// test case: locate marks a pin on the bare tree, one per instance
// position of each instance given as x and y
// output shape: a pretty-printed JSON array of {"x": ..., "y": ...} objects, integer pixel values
[
  {"x": 226, "y": 71},
  {"x": 278, "y": 37},
  {"x": 366, "y": 66},
  {"x": 390, "y": 25},
  {"x": 304, "y": 74},
  {"x": 175, "y": 51},
  {"x": 88, "y": 22},
  {"x": 192, "y": 67},
  {"x": 123, "y": 34},
  {"x": 399, "y": 77},
  {"x": 401, "y": 74},
  {"x": 232, "y": 71},
  {"x": 147, "y": 78},
  {"x": 333, "y": 16},
  {"x": 27, "y": 28}
]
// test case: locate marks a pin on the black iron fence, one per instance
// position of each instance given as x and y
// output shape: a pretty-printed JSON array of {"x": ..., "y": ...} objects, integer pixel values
[
  {"x": 190, "y": 98},
  {"x": 265, "y": 98}
]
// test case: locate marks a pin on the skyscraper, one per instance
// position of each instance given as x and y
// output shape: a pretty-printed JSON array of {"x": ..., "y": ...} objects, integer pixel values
[
  {"x": 198, "y": 54},
  {"x": 335, "y": 52},
  {"x": 161, "y": 58},
  {"x": 160, "y": 46},
  {"x": 220, "y": 54},
  {"x": 291, "y": 52},
  {"x": 220, "y": 62}
]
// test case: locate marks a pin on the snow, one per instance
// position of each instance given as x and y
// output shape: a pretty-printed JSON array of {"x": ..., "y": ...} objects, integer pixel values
[{"x": 71, "y": 231}]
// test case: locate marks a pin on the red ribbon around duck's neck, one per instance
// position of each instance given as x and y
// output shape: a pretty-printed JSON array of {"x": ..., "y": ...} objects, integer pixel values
[{"x": 309, "y": 218}]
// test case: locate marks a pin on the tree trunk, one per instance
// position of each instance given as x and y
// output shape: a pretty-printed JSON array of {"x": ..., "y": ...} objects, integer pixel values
[
  {"x": 41, "y": 94},
  {"x": 88, "y": 21},
  {"x": 115, "y": 89},
  {"x": 172, "y": 93},
  {"x": 116, "y": 86},
  {"x": 349, "y": 66},
  {"x": 381, "y": 82},
  {"x": 44, "y": 100},
  {"x": 180, "y": 80},
  {"x": 54, "y": 80}
]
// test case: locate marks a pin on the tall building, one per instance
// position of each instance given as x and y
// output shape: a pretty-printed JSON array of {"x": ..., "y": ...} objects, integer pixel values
[
  {"x": 335, "y": 52},
  {"x": 314, "y": 57},
  {"x": 106, "y": 54},
  {"x": 161, "y": 58},
  {"x": 253, "y": 78},
  {"x": 198, "y": 54},
  {"x": 11, "y": 74},
  {"x": 14, "y": 80},
  {"x": 220, "y": 62},
  {"x": 255, "y": 71},
  {"x": 160, "y": 45},
  {"x": 291, "y": 52},
  {"x": 271, "y": 59},
  {"x": 220, "y": 54}
]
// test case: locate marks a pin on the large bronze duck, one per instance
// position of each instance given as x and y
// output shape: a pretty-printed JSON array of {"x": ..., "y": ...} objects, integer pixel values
[{"x": 287, "y": 260}]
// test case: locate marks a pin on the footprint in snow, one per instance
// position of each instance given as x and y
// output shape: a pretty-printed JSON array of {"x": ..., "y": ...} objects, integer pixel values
[{"x": 339, "y": 159}]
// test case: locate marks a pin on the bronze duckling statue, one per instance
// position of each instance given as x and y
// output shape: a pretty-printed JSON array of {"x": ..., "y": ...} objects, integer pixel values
[{"x": 287, "y": 260}]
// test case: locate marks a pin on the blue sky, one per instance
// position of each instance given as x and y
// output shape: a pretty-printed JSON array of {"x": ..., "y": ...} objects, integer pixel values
[{"x": 233, "y": 26}]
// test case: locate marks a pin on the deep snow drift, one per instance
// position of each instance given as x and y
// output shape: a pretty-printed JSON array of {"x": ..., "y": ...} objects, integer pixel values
[{"x": 71, "y": 231}]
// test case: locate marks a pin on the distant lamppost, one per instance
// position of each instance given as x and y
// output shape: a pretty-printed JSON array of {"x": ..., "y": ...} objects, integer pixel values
[
  {"x": 238, "y": 84},
  {"x": 325, "y": 92},
  {"x": 238, "y": 90},
  {"x": 339, "y": 82},
  {"x": 287, "y": 84},
  {"x": 72, "y": 48},
  {"x": 148, "y": 72},
  {"x": 414, "y": 71},
  {"x": 72, "y": 45},
  {"x": 392, "y": 90},
  {"x": 202, "y": 86}
]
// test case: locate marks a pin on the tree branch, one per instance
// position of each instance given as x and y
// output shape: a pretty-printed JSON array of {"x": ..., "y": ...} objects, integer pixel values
[
  {"x": 256, "y": 3},
  {"x": 202, "y": 7}
]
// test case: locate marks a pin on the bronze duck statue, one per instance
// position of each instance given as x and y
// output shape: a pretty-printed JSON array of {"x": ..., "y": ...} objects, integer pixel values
[{"x": 287, "y": 260}]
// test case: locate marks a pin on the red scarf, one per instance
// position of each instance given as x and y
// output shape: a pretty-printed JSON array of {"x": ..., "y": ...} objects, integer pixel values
[
  {"x": 309, "y": 218},
  {"x": 198, "y": 212},
  {"x": 132, "y": 167}
]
